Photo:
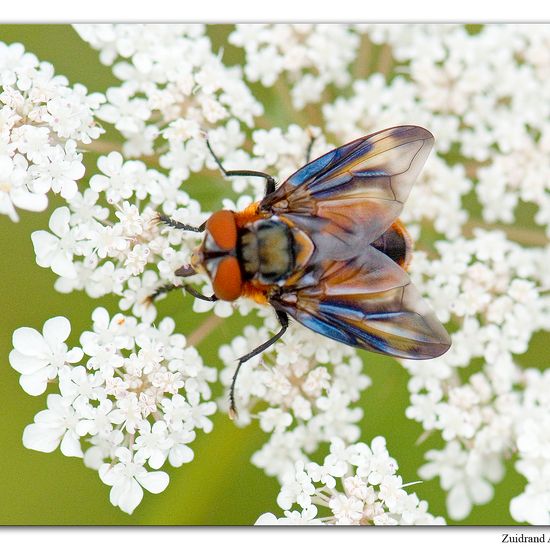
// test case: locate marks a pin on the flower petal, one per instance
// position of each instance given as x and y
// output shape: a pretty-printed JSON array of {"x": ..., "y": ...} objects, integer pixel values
[
  {"x": 56, "y": 330},
  {"x": 29, "y": 341},
  {"x": 33, "y": 202},
  {"x": 59, "y": 220},
  {"x": 69, "y": 190},
  {"x": 100, "y": 318},
  {"x": 70, "y": 445},
  {"x": 154, "y": 482},
  {"x": 26, "y": 364},
  {"x": 459, "y": 504},
  {"x": 266, "y": 519},
  {"x": 128, "y": 495},
  {"x": 35, "y": 383},
  {"x": 180, "y": 454},
  {"x": 39, "y": 438},
  {"x": 107, "y": 474},
  {"x": 63, "y": 266},
  {"x": 44, "y": 244},
  {"x": 74, "y": 355}
]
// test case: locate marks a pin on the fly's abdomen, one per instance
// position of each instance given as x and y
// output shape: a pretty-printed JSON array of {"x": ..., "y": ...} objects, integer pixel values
[
  {"x": 396, "y": 244},
  {"x": 267, "y": 251}
]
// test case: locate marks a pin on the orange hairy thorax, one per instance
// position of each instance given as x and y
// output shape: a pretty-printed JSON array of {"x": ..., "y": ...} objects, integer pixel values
[
  {"x": 250, "y": 214},
  {"x": 255, "y": 291}
]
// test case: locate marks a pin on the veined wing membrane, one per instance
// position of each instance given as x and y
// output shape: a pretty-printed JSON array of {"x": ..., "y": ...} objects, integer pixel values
[
  {"x": 367, "y": 302},
  {"x": 359, "y": 188}
]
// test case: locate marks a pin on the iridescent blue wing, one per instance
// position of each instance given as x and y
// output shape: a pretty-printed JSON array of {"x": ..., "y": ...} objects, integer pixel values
[
  {"x": 368, "y": 302},
  {"x": 349, "y": 290},
  {"x": 357, "y": 190}
]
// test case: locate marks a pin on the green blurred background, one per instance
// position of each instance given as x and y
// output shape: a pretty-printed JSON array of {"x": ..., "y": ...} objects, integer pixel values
[{"x": 220, "y": 486}]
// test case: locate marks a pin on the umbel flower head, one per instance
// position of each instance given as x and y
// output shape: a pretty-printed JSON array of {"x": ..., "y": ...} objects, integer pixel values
[
  {"x": 356, "y": 485},
  {"x": 134, "y": 403},
  {"x": 130, "y": 395},
  {"x": 42, "y": 119}
]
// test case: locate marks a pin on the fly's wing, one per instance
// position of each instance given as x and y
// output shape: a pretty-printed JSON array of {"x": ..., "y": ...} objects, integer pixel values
[
  {"x": 358, "y": 189},
  {"x": 368, "y": 302}
]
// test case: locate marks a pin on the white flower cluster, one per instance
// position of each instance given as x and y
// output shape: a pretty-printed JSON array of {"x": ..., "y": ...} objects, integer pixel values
[
  {"x": 532, "y": 442},
  {"x": 483, "y": 94},
  {"x": 356, "y": 485},
  {"x": 120, "y": 249},
  {"x": 42, "y": 122},
  {"x": 312, "y": 56},
  {"x": 491, "y": 89},
  {"x": 174, "y": 89},
  {"x": 301, "y": 390},
  {"x": 494, "y": 288},
  {"x": 133, "y": 404},
  {"x": 377, "y": 103}
]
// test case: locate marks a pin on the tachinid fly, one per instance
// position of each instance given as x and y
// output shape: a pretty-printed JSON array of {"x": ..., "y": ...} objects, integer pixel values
[{"x": 326, "y": 247}]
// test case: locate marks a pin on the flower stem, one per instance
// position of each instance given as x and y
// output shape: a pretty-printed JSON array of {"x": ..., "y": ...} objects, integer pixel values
[
  {"x": 385, "y": 61},
  {"x": 204, "y": 330},
  {"x": 522, "y": 235},
  {"x": 364, "y": 56},
  {"x": 101, "y": 146},
  {"x": 282, "y": 89}
]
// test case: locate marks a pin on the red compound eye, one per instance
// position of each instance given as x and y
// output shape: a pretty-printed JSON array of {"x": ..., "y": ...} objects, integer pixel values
[
  {"x": 227, "y": 283},
  {"x": 223, "y": 229}
]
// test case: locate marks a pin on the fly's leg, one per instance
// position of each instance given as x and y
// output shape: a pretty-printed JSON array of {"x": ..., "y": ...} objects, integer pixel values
[
  {"x": 165, "y": 289},
  {"x": 178, "y": 225},
  {"x": 270, "y": 183},
  {"x": 194, "y": 292},
  {"x": 160, "y": 291},
  {"x": 283, "y": 319}
]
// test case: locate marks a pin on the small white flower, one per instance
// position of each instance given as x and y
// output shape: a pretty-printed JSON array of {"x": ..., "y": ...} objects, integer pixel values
[
  {"x": 14, "y": 191},
  {"x": 128, "y": 477},
  {"x": 118, "y": 179},
  {"x": 298, "y": 488},
  {"x": 153, "y": 443},
  {"x": 59, "y": 171},
  {"x": 39, "y": 357},
  {"x": 99, "y": 420},
  {"x": 53, "y": 427},
  {"x": 56, "y": 251},
  {"x": 179, "y": 452},
  {"x": 347, "y": 510},
  {"x": 274, "y": 419}
]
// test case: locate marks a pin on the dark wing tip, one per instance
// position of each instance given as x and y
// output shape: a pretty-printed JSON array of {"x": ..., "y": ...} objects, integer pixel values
[
  {"x": 412, "y": 131},
  {"x": 433, "y": 339},
  {"x": 435, "y": 349}
]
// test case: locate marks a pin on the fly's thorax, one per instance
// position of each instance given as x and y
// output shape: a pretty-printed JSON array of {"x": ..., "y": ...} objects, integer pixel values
[
  {"x": 270, "y": 250},
  {"x": 266, "y": 251}
]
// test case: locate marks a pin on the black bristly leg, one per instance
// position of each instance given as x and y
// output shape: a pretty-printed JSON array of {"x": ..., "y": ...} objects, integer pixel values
[
  {"x": 270, "y": 183},
  {"x": 165, "y": 289},
  {"x": 198, "y": 295},
  {"x": 178, "y": 225},
  {"x": 283, "y": 319}
]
